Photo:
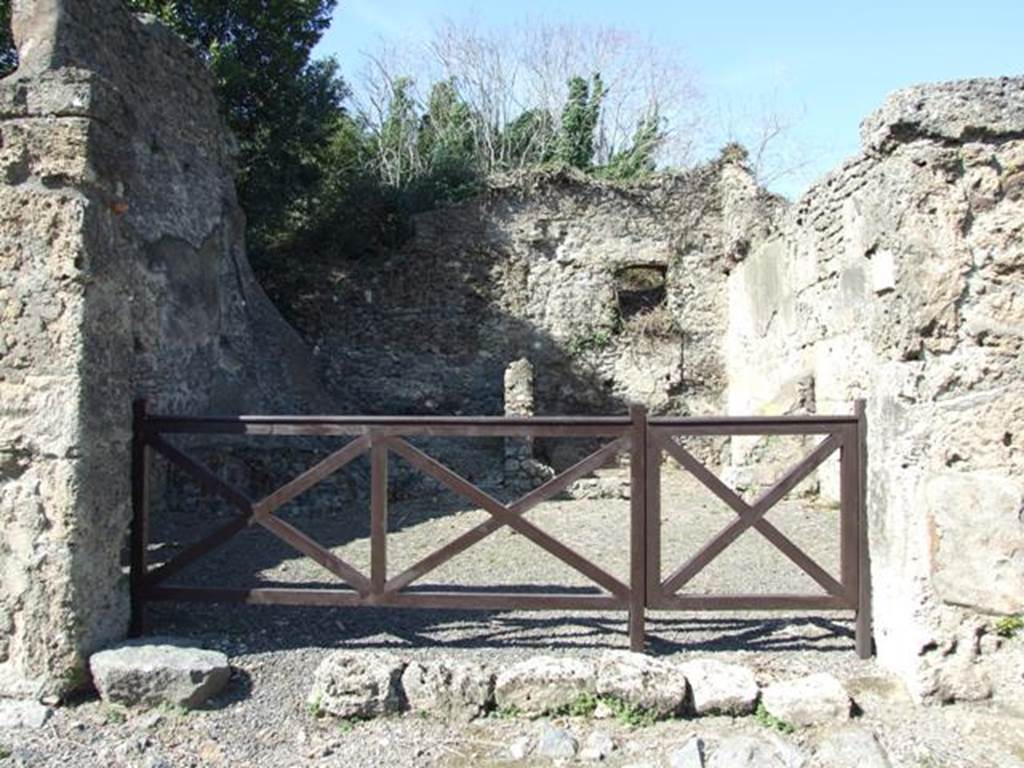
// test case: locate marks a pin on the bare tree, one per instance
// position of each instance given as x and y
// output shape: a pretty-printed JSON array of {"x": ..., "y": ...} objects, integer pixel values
[
  {"x": 766, "y": 128},
  {"x": 519, "y": 77}
]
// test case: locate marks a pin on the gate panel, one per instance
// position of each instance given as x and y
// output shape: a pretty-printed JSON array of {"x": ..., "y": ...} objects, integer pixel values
[{"x": 649, "y": 442}]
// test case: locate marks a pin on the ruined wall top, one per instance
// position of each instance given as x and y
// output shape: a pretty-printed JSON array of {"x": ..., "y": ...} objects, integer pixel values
[{"x": 960, "y": 110}]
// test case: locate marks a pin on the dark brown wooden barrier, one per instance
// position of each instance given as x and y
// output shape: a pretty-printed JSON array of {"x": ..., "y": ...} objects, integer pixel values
[{"x": 646, "y": 439}]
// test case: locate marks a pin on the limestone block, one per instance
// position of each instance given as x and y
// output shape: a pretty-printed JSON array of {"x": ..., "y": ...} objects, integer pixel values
[
  {"x": 158, "y": 671},
  {"x": 852, "y": 747},
  {"x": 810, "y": 700},
  {"x": 449, "y": 689},
  {"x": 23, "y": 714},
  {"x": 977, "y": 539},
  {"x": 556, "y": 743},
  {"x": 768, "y": 751},
  {"x": 690, "y": 755},
  {"x": 598, "y": 746},
  {"x": 544, "y": 684},
  {"x": 883, "y": 271},
  {"x": 655, "y": 686},
  {"x": 720, "y": 688},
  {"x": 357, "y": 684}
]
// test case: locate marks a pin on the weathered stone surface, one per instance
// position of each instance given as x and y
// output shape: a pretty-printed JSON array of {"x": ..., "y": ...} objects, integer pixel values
[
  {"x": 960, "y": 111},
  {"x": 359, "y": 684},
  {"x": 851, "y": 747},
  {"x": 447, "y": 688},
  {"x": 122, "y": 273},
  {"x": 768, "y": 751},
  {"x": 544, "y": 684},
  {"x": 598, "y": 746},
  {"x": 556, "y": 743},
  {"x": 720, "y": 688},
  {"x": 520, "y": 748},
  {"x": 991, "y": 584},
  {"x": 540, "y": 267},
  {"x": 655, "y": 686},
  {"x": 897, "y": 278},
  {"x": 810, "y": 700},
  {"x": 690, "y": 755},
  {"x": 23, "y": 714},
  {"x": 159, "y": 671}
]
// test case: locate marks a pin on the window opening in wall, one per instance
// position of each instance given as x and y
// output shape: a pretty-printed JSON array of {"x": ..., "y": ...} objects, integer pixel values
[{"x": 639, "y": 289}]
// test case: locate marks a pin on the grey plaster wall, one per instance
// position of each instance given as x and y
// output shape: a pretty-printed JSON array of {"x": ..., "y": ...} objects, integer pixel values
[{"x": 900, "y": 278}]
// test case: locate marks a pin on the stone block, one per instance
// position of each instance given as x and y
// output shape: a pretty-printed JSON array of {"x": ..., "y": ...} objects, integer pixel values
[
  {"x": 449, "y": 689},
  {"x": 158, "y": 671},
  {"x": 544, "y": 684},
  {"x": 361, "y": 684},
  {"x": 655, "y": 686},
  {"x": 718, "y": 688},
  {"x": 806, "y": 701}
]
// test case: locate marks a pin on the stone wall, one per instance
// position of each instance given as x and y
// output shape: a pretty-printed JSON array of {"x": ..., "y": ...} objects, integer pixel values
[
  {"x": 900, "y": 278},
  {"x": 546, "y": 267},
  {"x": 122, "y": 273}
]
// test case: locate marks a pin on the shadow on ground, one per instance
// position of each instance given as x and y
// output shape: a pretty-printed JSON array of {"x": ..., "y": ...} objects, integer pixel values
[{"x": 272, "y": 628}]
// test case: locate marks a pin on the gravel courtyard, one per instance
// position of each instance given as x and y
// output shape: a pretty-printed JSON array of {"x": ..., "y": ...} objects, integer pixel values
[{"x": 263, "y": 718}]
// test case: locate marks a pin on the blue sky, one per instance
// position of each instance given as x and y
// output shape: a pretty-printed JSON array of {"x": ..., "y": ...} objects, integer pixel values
[{"x": 824, "y": 65}]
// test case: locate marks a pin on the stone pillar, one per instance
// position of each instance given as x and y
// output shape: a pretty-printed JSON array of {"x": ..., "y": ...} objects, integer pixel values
[
  {"x": 122, "y": 274},
  {"x": 522, "y": 471}
]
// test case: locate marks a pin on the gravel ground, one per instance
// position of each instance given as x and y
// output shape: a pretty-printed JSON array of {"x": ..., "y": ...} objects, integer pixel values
[{"x": 262, "y": 718}]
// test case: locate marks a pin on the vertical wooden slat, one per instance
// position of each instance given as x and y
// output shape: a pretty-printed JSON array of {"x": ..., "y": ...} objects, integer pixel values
[
  {"x": 638, "y": 527},
  {"x": 849, "y": 505},
  {"x": 139, "y": 526},
  {"x": 863, "y": 631},
  {"x": 378, "y": 515},
  {"x": 652, "y": 460}
]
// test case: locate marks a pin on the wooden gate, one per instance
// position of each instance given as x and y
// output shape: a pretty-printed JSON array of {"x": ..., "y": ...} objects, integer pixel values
[{"x": 646, "y": 440}]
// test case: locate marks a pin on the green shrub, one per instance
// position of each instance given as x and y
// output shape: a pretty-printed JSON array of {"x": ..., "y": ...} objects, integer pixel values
[
  {"x": 768, "y": 720},
  {"x": 1009, "y": 626}
]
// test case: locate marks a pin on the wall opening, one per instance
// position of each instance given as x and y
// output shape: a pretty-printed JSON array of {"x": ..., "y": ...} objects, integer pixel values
[{"x": 639, "y": 289}]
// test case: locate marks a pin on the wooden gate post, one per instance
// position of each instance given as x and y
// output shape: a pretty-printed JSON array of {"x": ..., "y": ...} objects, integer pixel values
[
  {"x": 140, "y": 522},
  {"x": 638, "y": 527}
]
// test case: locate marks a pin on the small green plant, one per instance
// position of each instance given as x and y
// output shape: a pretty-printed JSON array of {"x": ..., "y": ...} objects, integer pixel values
[
  {"x": 347, "y": 724},
  {"x": 582, "y": 706},
  {"x": 768, "y": 720},
  {"x": 315, "y": 708},
  {"x": 1009, "y": 626},
  {"x": 589, "y": 342},
  {"x": 507, "y": 713},
  {"x": 628, "y": 714},
  {"x": 173, "y": 711},
  {"x": 115, "y": 714},
  {"x": 5, "y": 751},
  {"x": 75, "y": 678}
]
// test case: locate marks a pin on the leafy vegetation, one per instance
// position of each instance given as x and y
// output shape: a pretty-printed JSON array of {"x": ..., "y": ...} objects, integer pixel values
[
  {"x": 583, "y": 705},
  {"x": 626, "y": 713},
  {"x": 1009, "y": 626},
  {"x": 629, "y": 714},
  {"x": 507, "y": 713},
  {"x": 589, "y": 342},
  {"x": 768, "y": 720},
  {"x": 115, "y": 714},
  {"x": 321, "y": 178}
]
